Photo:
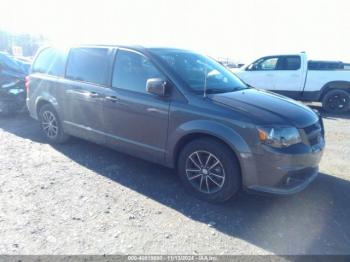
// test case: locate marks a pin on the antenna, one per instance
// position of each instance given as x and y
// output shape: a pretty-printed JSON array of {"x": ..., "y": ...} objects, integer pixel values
[{"x": 205, "y": 81}]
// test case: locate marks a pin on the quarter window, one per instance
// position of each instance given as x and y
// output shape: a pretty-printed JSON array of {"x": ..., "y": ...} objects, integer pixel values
[
  {"x": 132, "y": 70},
  {"x": 50, "y": 61},
  {"x": 89, "y": 65}
]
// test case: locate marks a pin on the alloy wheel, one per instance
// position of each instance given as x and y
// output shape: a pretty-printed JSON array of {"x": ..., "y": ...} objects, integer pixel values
[
  {"x": 337, "y": 102},
  {"x": 205, "y": 172},
  {"x": 49, "y": 124}
]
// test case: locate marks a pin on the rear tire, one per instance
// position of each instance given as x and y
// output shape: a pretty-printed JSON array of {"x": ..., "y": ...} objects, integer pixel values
[
  {"x": 209, "y": 170},
  {"x": 336, "y": 101},
  {"x": 51, "y": 125}
]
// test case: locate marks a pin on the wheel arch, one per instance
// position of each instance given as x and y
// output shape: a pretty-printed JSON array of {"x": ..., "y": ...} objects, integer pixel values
[
  {"x": 197, "y": 135},
  {"x": 344, "y": 85},
  {"x": 46, "y": 99},
  {"x": 40, "y": 104},
  {"x": 202, "y": 128}
]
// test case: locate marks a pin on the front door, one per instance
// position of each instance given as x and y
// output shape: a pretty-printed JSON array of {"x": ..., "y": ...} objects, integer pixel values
[
  {"x": 280, "y": 74},
  {"x": 261, "y": 74},
  {"x": 136, "y": 121},
  {"x": 289, "y": 77}
]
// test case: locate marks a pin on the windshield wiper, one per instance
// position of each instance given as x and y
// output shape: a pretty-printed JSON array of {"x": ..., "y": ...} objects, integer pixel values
[{"x": 216, "y": 90}]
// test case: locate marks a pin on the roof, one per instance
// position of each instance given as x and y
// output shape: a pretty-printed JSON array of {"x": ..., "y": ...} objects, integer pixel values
[{"x": 132, "y": 47}]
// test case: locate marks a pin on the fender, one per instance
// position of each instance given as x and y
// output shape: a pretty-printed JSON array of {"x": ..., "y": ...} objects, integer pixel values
[
  {"x": 214, "y": 129},
  {"x": 48, "y": 98},
  {"x": 334, "y": 85}
]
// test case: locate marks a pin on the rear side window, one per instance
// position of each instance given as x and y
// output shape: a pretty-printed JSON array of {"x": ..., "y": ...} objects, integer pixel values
[
  {"x": 289, "y": 63},
  {"x": 324, "y": 65},
  {"x": 50, "y": 61},
  {"x": 89, "y": 65}
]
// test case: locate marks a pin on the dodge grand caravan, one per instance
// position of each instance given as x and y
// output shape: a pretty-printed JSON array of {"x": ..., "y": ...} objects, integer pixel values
[{"x": 179, "y": 109}]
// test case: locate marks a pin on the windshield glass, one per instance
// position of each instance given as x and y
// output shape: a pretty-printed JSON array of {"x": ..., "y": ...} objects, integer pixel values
[{"x": 199, "y": 71}]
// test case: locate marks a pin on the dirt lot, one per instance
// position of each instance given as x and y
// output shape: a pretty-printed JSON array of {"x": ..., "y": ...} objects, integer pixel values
[{"x": 81, "y": 198}]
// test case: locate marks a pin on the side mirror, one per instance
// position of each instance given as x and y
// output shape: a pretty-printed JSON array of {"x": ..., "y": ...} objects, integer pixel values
[{"x": 156, "y": 86}]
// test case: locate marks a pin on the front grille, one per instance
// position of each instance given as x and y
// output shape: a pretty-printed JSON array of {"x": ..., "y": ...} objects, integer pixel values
[
  {"x": 313, "y": 128},
  {"x": 314, "y": 140},
  {"x": 295, "y": 178}
]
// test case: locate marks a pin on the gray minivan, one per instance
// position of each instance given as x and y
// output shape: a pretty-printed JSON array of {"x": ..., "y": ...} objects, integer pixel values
[{"x": 179, "y": 109}]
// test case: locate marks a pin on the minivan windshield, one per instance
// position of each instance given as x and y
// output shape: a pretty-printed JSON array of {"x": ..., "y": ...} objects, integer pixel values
[{"x": 199, "y": 71}]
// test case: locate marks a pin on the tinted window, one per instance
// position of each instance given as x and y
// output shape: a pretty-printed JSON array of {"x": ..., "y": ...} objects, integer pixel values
[
  {"x": 198, "y": 71},
  {"x": 289, "y": 63},
  {"x": 50, "y": 61},
  {"x": 324, "y": 65},
  {"x": 132, "y": 70},
  {"x": 89, "y": 65}
]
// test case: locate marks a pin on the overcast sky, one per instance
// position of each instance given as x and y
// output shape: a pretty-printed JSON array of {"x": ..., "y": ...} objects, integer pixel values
[{"x": 240, "y": 29}]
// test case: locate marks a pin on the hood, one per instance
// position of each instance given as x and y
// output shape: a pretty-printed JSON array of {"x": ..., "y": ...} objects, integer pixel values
[{"x": 267, "y": 108}]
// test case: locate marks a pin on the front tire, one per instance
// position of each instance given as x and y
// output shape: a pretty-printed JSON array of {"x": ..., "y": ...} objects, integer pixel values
[
  {"x": 209, "y": 170},
  {"x": 51, "y": 125},
  {"x": 336, "y": 101}
]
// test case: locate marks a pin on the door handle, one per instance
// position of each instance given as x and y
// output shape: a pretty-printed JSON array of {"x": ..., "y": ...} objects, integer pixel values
[
  {"x": 112, "y": 98},
  {"x": 94, "y": 94},
  {"x": 76, "y": 91}
]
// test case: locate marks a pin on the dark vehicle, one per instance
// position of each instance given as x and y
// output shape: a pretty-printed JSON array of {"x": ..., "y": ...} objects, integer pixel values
[
  {"x": 179, "y": 109},
  {"x": 12, "y": 88}
]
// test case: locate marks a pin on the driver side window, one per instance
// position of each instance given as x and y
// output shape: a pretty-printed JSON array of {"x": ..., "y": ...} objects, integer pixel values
[
  {"x": 132, "y": 70},
  {"x": 264, "y": 64}
]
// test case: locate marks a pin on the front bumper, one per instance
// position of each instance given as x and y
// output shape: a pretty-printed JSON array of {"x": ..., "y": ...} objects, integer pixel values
[
  {"x": 284, "y": 171},
  {"x": 292, "y": 183}
]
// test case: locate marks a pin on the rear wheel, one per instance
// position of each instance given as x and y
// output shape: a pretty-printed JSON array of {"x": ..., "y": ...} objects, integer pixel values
[
  {"x": 336, "y": 101},
  {"x": 51, "y": 125},
  {"x": 209, "y": 170}
]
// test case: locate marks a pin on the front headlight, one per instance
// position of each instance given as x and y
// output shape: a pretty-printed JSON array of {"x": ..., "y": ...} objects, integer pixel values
[{"x": 279, "y": 136}]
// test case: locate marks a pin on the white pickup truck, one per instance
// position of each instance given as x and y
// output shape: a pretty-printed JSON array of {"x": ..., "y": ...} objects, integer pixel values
[{"x": 296, "y": 77}]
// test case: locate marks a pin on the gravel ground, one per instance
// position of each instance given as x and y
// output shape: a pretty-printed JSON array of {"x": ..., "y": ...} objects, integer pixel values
[{"x": 81, "y": 198}]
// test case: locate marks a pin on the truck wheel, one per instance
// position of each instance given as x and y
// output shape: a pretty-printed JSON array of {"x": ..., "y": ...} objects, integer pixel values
[
  {"x": 336, "y": 101},
  {"x": 51, "y": 125},
  {"x": 209, "y": 170}
]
